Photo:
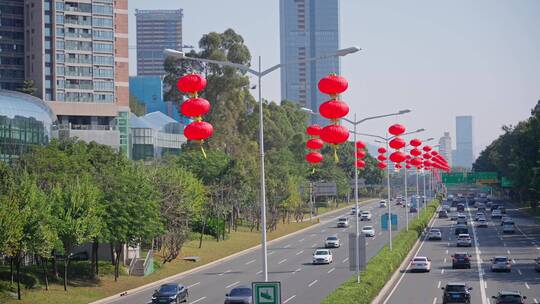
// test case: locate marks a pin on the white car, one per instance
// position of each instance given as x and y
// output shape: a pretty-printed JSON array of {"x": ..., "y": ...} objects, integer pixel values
[
  {"x": 496, "y": 213},
  {"x": 343, "y": 222},
  {"x": 508, "y": 227},
  {"x": 420, "y": 264},
  {"x": 365, "y": 216},
  {"x": 464, "y": 240},
  {"x": 332, "y": 242},
  {"x": 482, "y": 223},
  {"x": 322, "y": 256},
  {"x": 353, "y": 210},
  {"x": 462, "y": 219},
  {"x": 382, "y": 204},
  {"x": 501, "y": 263},
  {"x": 435, "y": 234},
  {"x": 368, "y": 231}
]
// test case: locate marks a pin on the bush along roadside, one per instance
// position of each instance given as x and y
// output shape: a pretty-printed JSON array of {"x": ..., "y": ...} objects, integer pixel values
[{"x": 381, "y": 266}]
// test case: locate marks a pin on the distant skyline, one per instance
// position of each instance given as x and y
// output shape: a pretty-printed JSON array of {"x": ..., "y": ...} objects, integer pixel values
[{"x": 440, "y": 59}]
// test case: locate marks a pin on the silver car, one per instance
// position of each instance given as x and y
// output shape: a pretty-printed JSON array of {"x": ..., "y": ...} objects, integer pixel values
[
  {"x": 241, "y": 294},
  {"x": 464, "y": 240},
  {"x": 501, "y": 263}
]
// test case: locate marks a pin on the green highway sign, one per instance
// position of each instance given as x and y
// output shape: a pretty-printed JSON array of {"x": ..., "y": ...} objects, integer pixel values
[
  {"x": 266, "y": 292},
  {"x": 470, "y": 178},
  {"x": 506, "y": 183}
]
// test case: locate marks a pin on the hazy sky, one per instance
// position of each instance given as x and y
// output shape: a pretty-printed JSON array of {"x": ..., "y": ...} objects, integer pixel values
[{"x": 438, "y": 58}]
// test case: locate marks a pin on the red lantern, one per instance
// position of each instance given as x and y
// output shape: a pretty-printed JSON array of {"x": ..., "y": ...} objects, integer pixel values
[
  {"x": 434, "y": 153},
  {"x": 396, "y": 129},
  {"x": 427, "y": 155},
  {"x": 397, "y": 143},
  {"x": 381, "y": 157},
  {"x": 191, "y": 83},
  {"x": 360, "y": 144},
  {"x": 416, "y": 162},
  {"x": 334, "y": 134},
  {"x": 415, "y": 142},
  {"x": 408, "y": 166},
  {"x": 314, "y": 157},
  {"x": 397, "y": 166},
  {"x": 314, "y": 130},
  {"x": 398, "y": 157},
  {"x": 360, "y": 154},
  {"x": 427, "y": 163},
  {"x": 198, "y": 130},
  {"x": 381, "y": 150},
  {"x": 195, "y": 107},
  {"x": 314, "y": 144},
  {"x": 426, "y": 148},
  {"x": 333, "y": 84},
  {"x": 416, "y": 152},
  {"x": 409, "y": 157},
  {"x": 360, "y": 163},
  {"x": 333, "y": 109},
  {"x": 381, "y": 165}
]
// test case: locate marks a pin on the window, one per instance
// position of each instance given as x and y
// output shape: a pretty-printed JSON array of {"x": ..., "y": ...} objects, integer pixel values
[
  {"x": 60, "y": 70},
  {"x": 103, "y": 72},
  {"x": 105, "y": 98},
  {"x": 103, "y": 85},
  {"x": 103, "y": 47},
  {"x": 59, "y": 44},
  {"x": 59, "y": 6},
  {"x": 60, "y": 57},
  {"x": 59, "y": 32},
  {"x": 102, "y": 9},
  {"x": 60, "y": 96},
  {"x": 60, "y": 83},
  {"x": 103, "y": 35},
  {"x": 104, "y": 60},
  {"x": 102, "y": 21}
]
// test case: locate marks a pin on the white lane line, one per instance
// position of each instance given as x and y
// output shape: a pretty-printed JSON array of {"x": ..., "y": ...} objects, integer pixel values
[
  {"x": 443, "y": 262},
  {"x": 434, "y": 300},
  {"x": 442, "y": 271},
  {"x": 446, "y": 251},
  {"x": 312, "y": 283},
  {"x": 323, "y": 231},
  {"x": 344, "y": 229},
  {"x": 192, "y": 285},
  {"x": 485, "y": 284},
  {"x": 314, "y": 245},
  {"x": 345, "y": 260},
  {"x": 282, "y": 261},
  {"x": 535, "y": 300},
  {"x": 287, "y": 246},
  {"x": 479, "y": 265},
  {"x": 270, "y": 252},
  {"x": 527, "y": 285},
  {"x": 224, "y": 272},
  {"x": 250, "y": 261},
  {"x": 504, "y": 244},
  {"x": 231, "y": 285},
  {"x": 301, "y": 240},
  {"x": 439, "y": 285},
  {"x": 488, "y": 301},
  {"x": 329, "y": 271},
  {"x": 508, "y": 251},
  {"x": 297, "y": 270},
  {"x": 198, "y": 300},
  {"x": 300, "y": 252},
  {"x": 259, "y": 272},
  {"x": 292, "y": 297},
  {"x": 519, "y": 271}
]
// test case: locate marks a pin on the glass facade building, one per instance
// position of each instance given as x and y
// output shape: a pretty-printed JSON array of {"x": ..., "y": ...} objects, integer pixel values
[
  {"x": 11, "y": 44},
  {"x": 308, "y": 28},
  {"x": 463, "y": 156},
  {"x": 24, "y": 121}
]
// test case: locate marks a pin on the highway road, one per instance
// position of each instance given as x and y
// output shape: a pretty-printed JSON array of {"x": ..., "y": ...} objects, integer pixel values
[
  {"x": 523, "y": 247},
  {"x": 289, "y": 261}
]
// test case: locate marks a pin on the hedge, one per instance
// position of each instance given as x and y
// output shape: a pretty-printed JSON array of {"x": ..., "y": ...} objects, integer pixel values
[{"x": 381, "y": 266}]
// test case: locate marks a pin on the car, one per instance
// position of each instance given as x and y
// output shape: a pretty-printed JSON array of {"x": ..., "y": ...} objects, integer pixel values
[
  {"x": 462, "y": 219},
  {"x": 461, "y": 229},
  {"x": 461, "y": 260},
  {"x": 322, "y": 256},
  {"x": 170, "y": 293},
  {"x": 489, "y": 203},
  {"x": 413, "y": 209},
  {"x": 435, "y": 234},
  {"x": 353, "y": 210},
  {"x": 482, "y": 223},
  {"x": 456, "y": 293},
  {"x": 382, "y": 203},
  {"x": 454, "y": 216},
  {"x": 494, "y": 207},
  {"x": 509, "y": 297},
  {"x": 496, "y": 213},
  {"x": 420, "y": 264},
  {"x": 505, "y": 218},
  {"x": 502, "y": 209},
  {"x": 332, "y": 241},
  {"x": 501, "y": 263},
  {"x": 343, "y": 222},
  {"x": 464, "y": 240},
  {"x": 443, "y": 214},
  {"x": 508, "y": 227},
  {"x": 365, "y": 216},
  {"x": 479, "y": 215},
  {"x": 446, "y": 208},
  {"x": 240, "y": 294},
  {"x": 460, "y": 207},
  {"x": 537, "y": 264},
  {"x": 368, "y": 231}
]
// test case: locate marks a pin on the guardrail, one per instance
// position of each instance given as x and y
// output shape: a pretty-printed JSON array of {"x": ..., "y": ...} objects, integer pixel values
[{"x": 149, "y": 263}]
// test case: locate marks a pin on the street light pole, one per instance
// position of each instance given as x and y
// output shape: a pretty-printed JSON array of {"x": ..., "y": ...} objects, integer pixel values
[
  {"x": 389, "y": 220},
  {"x": 406, "y": 213},
  {"x": 357, "y": 251}
]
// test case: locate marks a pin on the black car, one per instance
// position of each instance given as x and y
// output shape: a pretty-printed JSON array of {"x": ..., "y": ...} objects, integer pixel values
[
  {"x": 509, "y": 297},
  {"x": 413, "y": 209},
  {"x": 456, "y": 293},
  {"x": 461, "y": 229},
  {"x": 461, "y": 260},
  {"x": 443, "y": 214},
  {"x": 239, "y": 295},
  {"x": 170, "y": 293},
  {"x": 460, "y": 207}
]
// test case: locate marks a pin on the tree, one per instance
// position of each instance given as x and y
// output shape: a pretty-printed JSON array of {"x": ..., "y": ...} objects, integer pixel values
[
  {"x": 29, "y": 87},
  {"x": 136, "y": 106}
]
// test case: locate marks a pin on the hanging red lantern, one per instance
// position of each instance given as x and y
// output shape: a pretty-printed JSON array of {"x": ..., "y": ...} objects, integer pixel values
[
  {"x": 416, "y": 152},
  {"x": 416, "y": 162},
  {"x": 396, "y": 129},
  {"x": 381, "y": 150},
  {"x": 409, "y": 157},
  {"x": 333, "y": 85},
  {"x": 360, "y": 144},
  {"x": 408, "y": 166},
  {"x": 314, "y": 157},
  {"x": 360, "y": 163},
  {"x": 415, "y": 142},
  {"x": 314, "y": 144},
  {"x": 314, "y": 130},
  {"x": 397, "y": 166},
  {"x": 381, "y": 157},
  {"x": 434, "y": 153},
  {"x": 334, "y": 134},
  {"x": 198, "y": 130},
  {"x": 426, "y": 155},
  {"x": 333, "y": 109},
  {"x": 397, "y": 143},
  {"x": 195, "y": 107},
  {"x": 427, "y": 163},
  {"x": 398, "y": 157},
  {"x": 381, "y": 165},
  {"x": 191, "y": 84},
  {"x": 360, "y": 154},
  {"x": 426, "y": 148}
]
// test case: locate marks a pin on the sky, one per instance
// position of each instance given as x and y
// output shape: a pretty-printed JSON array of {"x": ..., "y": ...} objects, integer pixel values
[{"x": 438, "y": 58}]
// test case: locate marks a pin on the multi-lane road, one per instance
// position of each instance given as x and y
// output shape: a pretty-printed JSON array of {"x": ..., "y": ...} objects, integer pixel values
[
  {"x": 289, "y": 261},
  {"x": 523, "y": 247}
]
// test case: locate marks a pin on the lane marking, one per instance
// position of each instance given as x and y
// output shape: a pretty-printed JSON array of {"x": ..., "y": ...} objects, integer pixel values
[
  {"x": 312, "y": 283},
  {"x": 344, "y": 229},
  {"x": 485, "y": 284},
  {"x": 446, "y": 251},
  {"x": 314, "y": 245},
  {"x": 224, "y": 272},
  {"x": 504, "y": 244},
  {"x": 300, "y": 252},
  {"x": 297, "y": 270},
  {"x": 448, "y": 244},
  {"x": 519, "y": 271},
  {"x": 269, "y": 253},
  {"x": 535, "y": 300},
  {"x": 287, "y": 246},
  {"x": 198, "y": 300},
  {"x": 439, "y": 285},
  {"x": 323, "y": 231},
  {"x": 192, "y": 285},
  {"x": 282, "y": 261},
  {"x": 508, "y": 251},
  {"x": 444, "y": 260},
  {"x": 259, "y": 272},
  {"x": 292, "y": 297},
  {"x": 231, "y": 285},
  {"x": 434, "y": 300},
  {"x": 345, "y": 260},
  {"x": 250, "y": 261},
  {"x": 479, "y": 265},
  {"x": 329, "y": 271},
  {"x": 301, "y": 240},
  {"x": 442, "y": 271},
  {"x": 527, "y": 285}
]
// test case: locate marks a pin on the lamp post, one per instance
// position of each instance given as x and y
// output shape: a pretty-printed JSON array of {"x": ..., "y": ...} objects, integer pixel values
[
  {"x": 260, "y": 74},
  {"x": 356, "y": 123},
  {"x": 386, "y": 140},
  {"x": 417, "y": 172}
]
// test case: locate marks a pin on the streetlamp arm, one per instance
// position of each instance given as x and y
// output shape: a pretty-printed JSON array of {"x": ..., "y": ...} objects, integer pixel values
[
  {"x": 371, "y": 135},
  {"x": 375, "y": 117}
]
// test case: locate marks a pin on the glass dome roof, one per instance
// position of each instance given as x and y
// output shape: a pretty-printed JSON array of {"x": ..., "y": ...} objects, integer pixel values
[{"x": 18, "y": 104}]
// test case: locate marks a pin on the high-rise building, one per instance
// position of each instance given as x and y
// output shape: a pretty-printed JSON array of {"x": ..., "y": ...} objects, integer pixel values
[
  {"x": 464, "y": 142},
  {"x": 76, "y": 52},
  {"x": 445, "y": 147},
  {"x": 308, "y": 28},
  {"x": 156, "y": 30},
  {"x": 11, "y": 44}
]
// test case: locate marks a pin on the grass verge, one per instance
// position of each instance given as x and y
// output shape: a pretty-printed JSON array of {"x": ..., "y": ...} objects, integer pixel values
[{"x": 381, "y": 267}]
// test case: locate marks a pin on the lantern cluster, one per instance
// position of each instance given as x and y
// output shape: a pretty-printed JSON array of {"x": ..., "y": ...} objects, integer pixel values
[
  {"x": 381, "y": 158},
  {"x": 438, "y": 161},
  {"x": 397, "y": 143},
  {"x": 195, "y": 107},
  {"x": 334, "y": 109},
  {"x": 415, "y": 153},
  {"x": 314, "y": 144},
  {"x": 360, "y": 154}
]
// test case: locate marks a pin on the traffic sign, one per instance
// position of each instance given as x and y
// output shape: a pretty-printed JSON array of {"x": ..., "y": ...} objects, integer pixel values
[
  {"x": 266, "y": 292},
  {"x": 506, "y": 183},
  {"x": 393, "y": 221},
  {"x": 325, "y": 189},
  {"x": 361, "y": 251}
]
